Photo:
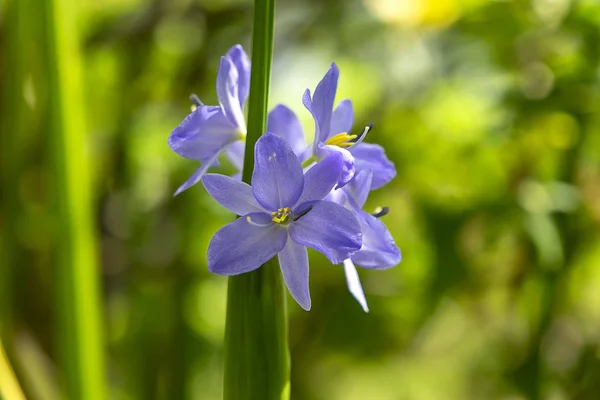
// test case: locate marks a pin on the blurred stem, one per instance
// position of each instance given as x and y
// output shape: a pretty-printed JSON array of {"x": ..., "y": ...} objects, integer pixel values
[
  {"x": 9, "y": 386},
  {"x": 76, "y": 269},
  {"x": 21, "y": 22},
  {"x": 257, "y": 364},
  {"x": 11, "y": 112}
]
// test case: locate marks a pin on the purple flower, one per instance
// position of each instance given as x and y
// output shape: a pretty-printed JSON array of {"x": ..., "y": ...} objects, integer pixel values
[
  {"x": 210, "y": 130},
  {"x": 282, "y": 122},
  {"x": 378, "y": 251},
  {"x": 283, "y": 212},
  {"x": 332, "y": 134}
]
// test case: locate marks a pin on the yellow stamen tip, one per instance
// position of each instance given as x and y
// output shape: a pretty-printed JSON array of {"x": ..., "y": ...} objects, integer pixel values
[
  {"x": 341, "y": 140},
  {"x": 282, "y": 215}
]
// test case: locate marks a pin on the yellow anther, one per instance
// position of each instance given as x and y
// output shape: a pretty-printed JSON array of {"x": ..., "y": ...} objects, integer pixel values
[
  {"x": 282, "y": 215},
  {"x": 338, "y": 139},
  {"x": 341, "y": 140}
]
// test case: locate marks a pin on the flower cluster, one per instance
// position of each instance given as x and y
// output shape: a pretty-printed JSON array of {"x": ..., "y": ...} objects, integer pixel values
[{"x": 300, "y": 195}]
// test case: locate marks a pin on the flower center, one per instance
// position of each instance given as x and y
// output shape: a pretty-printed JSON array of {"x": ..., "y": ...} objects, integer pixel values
[
  {"x": 282, "y": 215},
  {"x": 341, "y": 140}
]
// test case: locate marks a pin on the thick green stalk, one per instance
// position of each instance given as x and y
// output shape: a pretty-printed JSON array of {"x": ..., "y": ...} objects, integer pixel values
[
  {"x": 262, "y": 54},
  {"x": 18, "y": 59},
  {"x": 257, "y": 364},
  {"x": 76, "y": 268}
]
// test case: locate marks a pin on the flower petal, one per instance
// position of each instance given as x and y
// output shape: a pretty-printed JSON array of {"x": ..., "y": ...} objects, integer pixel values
[
  {"x": 338, "y": 196},
  {"x": 235, "y": 154},
  {"x": 283, "y": 122},
  {"x": 241, "y": 62},
  {"x": 321, "y": 178},
  {"x": 347, "y": 164},
  {"x": 293, "y": 261},
  {"x": 354, "y": 285},
  {"x": 192, "y": 180},
  {"x": 378, "y": 251},
  {"x": 202, "y": 133},
  {"x": 357, "y": 190},
  {"x": 321, "y": 104},
  {"x": 369, "y": 155},
  {"x": 228, "y": 93},
  {"x": 244, "y": 245},
  {"x": 277, "y": 180},
  {"x": 342, "y": 118},
  {"x": 328, "y": 228},
  {"x": 234, "y": 195}
]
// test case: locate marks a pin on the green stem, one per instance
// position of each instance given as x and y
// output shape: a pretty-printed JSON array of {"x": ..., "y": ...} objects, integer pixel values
[
  {"x": 262, "y": 53},
  {"x": 257, "y": 361},
  {"x": 11, "y": 150},
  {"x": 76, "y": 269},
  {"x": 257, "y": 364},
  {"x": 310, "y": 160}
]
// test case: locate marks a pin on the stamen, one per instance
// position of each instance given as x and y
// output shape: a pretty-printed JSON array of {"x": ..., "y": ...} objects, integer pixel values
[
  {"x": 340, "y": 139},
  {"x": 381, "y": 211},
  {"x": 359, "y": 138},
  {"x": 301, "y": 214},
  {"x": 345, "y": 140},
  {"x": 347, "y": 144},
  {"x": 196, "y": 100},
  {"x": 254, "y": 223},
  {"x": 282, "y": 215}
]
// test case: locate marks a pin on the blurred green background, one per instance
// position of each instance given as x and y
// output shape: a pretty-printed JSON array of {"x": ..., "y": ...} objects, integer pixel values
[{"x": 487, "y": 108}]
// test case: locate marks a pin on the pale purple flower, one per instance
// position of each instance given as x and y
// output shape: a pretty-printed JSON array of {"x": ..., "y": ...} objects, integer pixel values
[
  {"x": 211, "y": 130},
  {"x": 282, "y": 213},
  {"x": 332, "y": 134},
  {"x": 378, "y": 251},
  {"x": 282, "y": 122}
]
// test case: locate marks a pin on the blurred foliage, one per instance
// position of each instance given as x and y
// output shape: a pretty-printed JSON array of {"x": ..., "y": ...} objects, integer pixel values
[{"x": 488, "y": 109}]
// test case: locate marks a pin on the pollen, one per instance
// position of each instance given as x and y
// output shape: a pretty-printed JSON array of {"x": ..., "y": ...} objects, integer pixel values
[
  {"x": 282, "y": 215},
  {"x": 341, "y": 140}
]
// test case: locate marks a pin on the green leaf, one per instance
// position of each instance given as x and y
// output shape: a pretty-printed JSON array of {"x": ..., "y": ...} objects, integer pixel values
[{"x": 76, "y": 259}]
